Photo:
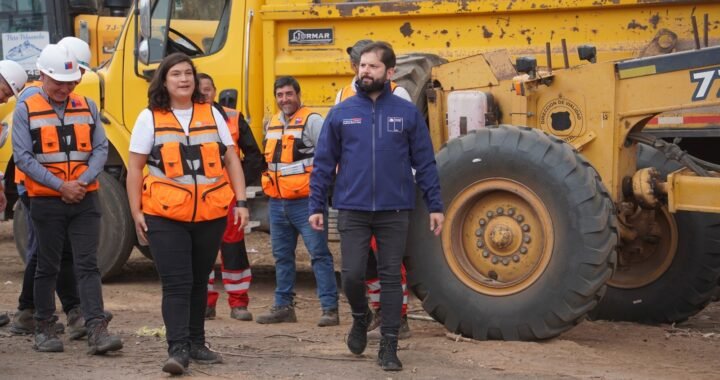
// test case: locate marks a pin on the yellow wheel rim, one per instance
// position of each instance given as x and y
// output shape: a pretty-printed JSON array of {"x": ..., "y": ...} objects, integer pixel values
[{"x": 499, "y": 238}]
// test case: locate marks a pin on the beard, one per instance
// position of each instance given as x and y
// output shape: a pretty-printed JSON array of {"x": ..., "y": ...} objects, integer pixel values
[{"x": 374, "y": 86}]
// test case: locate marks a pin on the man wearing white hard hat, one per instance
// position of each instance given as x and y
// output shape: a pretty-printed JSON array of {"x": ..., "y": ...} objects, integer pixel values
[
  {"x": 80, "y": 49},
  {"x": 12, "y": 80},
  {"x": 60, "y": 145},
  {"x": 66, "y": 287}
]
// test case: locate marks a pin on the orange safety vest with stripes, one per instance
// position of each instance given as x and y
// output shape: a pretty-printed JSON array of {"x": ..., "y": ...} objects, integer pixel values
[
  {"x": 62, "y": 145},
  {"x": 288, "y": 174},
  {"x": 186, "y": 180},
  {"x": 19, "y": 175},
  {"x": 349, "y": 90}
]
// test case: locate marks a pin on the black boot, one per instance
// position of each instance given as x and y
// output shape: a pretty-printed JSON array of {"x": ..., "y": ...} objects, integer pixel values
[
  {"x": 178, "y": 358},
  {"x": 200, "y": 354},
  {"x": 357, "y": 337},
  {"x": 387, "y": 354},
  {"x": 46, "y": 339},
  {"x": 99, "y": 339}
]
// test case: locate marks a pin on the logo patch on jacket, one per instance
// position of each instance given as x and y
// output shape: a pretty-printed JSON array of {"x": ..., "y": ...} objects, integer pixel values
[
  {"x": 394, "y": 124},
  {"x": 355, "y": 120}
]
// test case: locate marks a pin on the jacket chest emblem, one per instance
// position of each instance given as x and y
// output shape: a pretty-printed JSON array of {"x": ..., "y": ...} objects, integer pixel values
[
  {"x": 352, "y": 121},
  {"x": 394, "y": 124}
]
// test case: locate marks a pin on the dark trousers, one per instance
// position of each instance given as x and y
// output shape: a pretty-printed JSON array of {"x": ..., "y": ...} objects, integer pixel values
[
  {"x": 66, "y": 285},
  {"x": 390, "y": 229},
  {"x": 55, "y": 222},
  {"x": 184, "y": 255}
]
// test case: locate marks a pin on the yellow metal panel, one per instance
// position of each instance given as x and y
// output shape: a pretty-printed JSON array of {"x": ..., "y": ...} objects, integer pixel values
[
  {"x": 118, "y": 137},
  {"x": 688, "y": 192},
  {"x": 470, "y": 72}
]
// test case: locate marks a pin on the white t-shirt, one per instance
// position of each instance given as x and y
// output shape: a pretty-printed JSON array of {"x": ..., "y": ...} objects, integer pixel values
[{"x": 142, "y": 138}]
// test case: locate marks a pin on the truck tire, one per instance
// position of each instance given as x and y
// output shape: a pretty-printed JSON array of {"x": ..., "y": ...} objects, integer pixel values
[
  {"x": 688, "y": 281},
  {"x": 528, "y": 241},
  {"x": 413, "y": 72},
  {"x": 117, "y": 230}
]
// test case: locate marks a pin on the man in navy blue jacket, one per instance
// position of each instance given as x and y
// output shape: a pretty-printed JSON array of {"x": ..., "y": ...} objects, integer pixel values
[{"x": 374, "y": 139}]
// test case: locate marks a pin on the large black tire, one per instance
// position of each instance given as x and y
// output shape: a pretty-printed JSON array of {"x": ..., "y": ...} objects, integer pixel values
[
  {"x": 687, "y": 285},
  {"x": 581, "y": 222},
  {"x": 413, "y": 72},
  {"x": 117, "y": 230}
]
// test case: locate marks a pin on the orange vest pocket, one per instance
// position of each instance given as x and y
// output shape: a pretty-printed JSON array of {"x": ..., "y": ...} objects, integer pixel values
[
  {"x": 77, "y": 169},
  {"x": 288, "y": 146},
  {"x": 36, "y": 189},
  {"x": 212, "y": 164},
  {"x": 49, "y": 139},
  {"x": 215, "y": 201},
  {"x": 167, "y": 200},
  {"x": 269, "y": 186},
  {"x": 172, "y": 159},
  {"x": 295, "y": 186},
  {"x": 269, "y": 151},
  {"x": 82, "y": 137}
]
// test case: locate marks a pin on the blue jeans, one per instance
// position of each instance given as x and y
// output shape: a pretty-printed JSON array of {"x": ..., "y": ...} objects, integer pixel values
[{"x": 288, "y": 218}]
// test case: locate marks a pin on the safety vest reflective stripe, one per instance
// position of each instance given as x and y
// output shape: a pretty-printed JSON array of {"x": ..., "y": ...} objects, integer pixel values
[
  {"x": 47, "y": 158},
  {"x": 279, "y": 166}
]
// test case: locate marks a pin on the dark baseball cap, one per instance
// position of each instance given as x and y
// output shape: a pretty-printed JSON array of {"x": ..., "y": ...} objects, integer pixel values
[{"x": 354, "y": 51}]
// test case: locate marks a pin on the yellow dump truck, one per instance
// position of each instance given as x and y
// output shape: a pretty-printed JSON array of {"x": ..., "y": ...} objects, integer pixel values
[
  {"x": 514, "y": 262},
  {"x": 27, "y": 26}
]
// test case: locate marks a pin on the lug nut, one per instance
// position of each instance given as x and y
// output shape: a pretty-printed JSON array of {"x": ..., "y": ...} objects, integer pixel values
[
  {"x": 505, "y": 261},
  {"x": 519, "y": 218},
  {"x": 525, "y": 228},
  {"x": 480, "y": 243},
  {"x": 489, "y": 214},
  {"x": 516, "y": 258},
  {"x": 523, "y": 250},
  {"x": 511, "y": 211},
  {"x": 494, "y": 260},
  {"x": 500, "y": 211},
  {"x": 482, "y": 222},
  {"x": 526, "y": 238},
  {"x": 485, "y": 253},
  {"x": 479, "y": 232}
]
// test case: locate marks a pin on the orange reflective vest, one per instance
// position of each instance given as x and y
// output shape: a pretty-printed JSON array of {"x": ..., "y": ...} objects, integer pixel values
[
  {"x": 62, "y": 145},
  {"x": 288, "y": 174},
  {"x": 349, "y": 90},
  {"x": 20, "y": 176},
  {"x": 186, "y": 180}
]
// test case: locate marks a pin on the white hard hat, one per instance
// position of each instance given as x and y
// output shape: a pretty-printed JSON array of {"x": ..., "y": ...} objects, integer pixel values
[
  {"x": 79, "y": 48},
  {"x": 14, "y": 75},
  {"x": 58, "y": 63}
]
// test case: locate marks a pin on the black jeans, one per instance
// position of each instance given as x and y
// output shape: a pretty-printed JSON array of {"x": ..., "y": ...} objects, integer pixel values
[
  {"x": 55, "y": 222},
  {"x": 184, "y": 255},
  {"x": 390, "y": 229},
  {"x": 66, "y": 285}
]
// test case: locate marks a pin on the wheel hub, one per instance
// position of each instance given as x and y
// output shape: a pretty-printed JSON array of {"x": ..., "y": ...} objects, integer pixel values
[
  {"x": 500, "y": 236},
  {"x": 642, "y": 260}
]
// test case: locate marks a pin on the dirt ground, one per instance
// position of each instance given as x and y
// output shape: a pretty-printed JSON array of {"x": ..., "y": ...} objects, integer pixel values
[{"x": 595, "y": 350}]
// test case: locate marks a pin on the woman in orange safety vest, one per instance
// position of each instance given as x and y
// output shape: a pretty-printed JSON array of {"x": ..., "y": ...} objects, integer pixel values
[{"x": 180, "y": 207}]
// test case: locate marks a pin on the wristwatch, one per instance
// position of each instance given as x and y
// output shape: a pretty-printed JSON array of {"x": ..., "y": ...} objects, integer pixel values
[{"x": 241, "y": 203}]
